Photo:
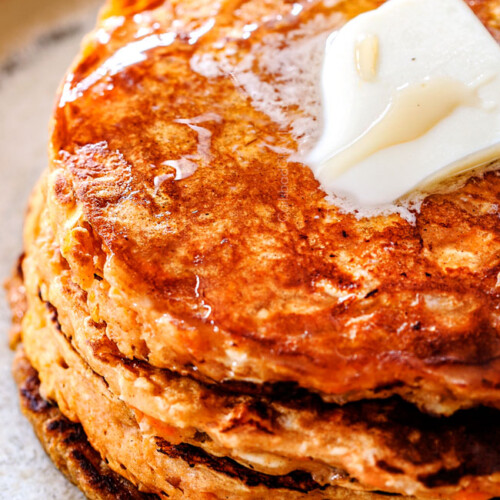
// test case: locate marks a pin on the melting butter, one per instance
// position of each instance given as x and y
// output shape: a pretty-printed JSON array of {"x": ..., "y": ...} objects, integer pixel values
[
  {"x": 419, "y": 101},
  {"x": 413, "y": 111},
  {"x": 366, "y": 55}
]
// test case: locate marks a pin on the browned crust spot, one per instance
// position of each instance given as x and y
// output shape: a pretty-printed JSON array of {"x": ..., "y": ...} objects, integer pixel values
[{"x": 296, "y": 480}]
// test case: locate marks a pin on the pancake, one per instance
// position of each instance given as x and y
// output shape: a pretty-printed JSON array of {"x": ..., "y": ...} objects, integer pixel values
[
  {"x": 178, "y": 202},
  {"x": 66, "y": 443},
  {"x": 153, "y": 464},
  {"x": 385, "y": 445},
  {"x": 197, "y": 320}
]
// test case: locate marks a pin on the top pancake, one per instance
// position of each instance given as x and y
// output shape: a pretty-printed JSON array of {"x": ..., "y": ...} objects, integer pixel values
[{"x": 206, "y": 248}]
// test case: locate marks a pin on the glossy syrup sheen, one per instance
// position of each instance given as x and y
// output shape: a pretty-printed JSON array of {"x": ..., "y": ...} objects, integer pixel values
[{"x": 245, "y": 252}]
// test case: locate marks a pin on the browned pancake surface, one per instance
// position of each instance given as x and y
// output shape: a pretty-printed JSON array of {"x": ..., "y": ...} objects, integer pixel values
[
  {"x": 276, "y": 430},
  {"x": 257, "y": 283}
]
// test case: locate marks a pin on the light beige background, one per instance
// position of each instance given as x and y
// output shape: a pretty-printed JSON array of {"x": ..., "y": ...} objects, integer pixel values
[{"x": 37, "y": 63}]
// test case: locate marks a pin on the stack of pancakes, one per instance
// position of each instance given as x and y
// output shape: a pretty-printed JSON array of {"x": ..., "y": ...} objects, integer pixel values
[{"x": 198, "y": 320}]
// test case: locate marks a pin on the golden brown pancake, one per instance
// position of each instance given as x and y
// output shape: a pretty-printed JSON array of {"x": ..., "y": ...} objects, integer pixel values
[
  {"x": 153, "y": 464},
  {"x": 66, "y": 443},
  {"x": 208, "y": 250},
  {"x": 202, "y": 322},
  {"x": 385, "y": 445}
]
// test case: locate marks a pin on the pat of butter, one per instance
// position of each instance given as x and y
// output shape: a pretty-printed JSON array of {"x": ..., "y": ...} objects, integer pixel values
[{"x": 410, "y": 95}]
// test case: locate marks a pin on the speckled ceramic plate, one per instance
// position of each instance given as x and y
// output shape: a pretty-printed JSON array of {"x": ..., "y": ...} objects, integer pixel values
[{"x": 37, "y": 43}]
